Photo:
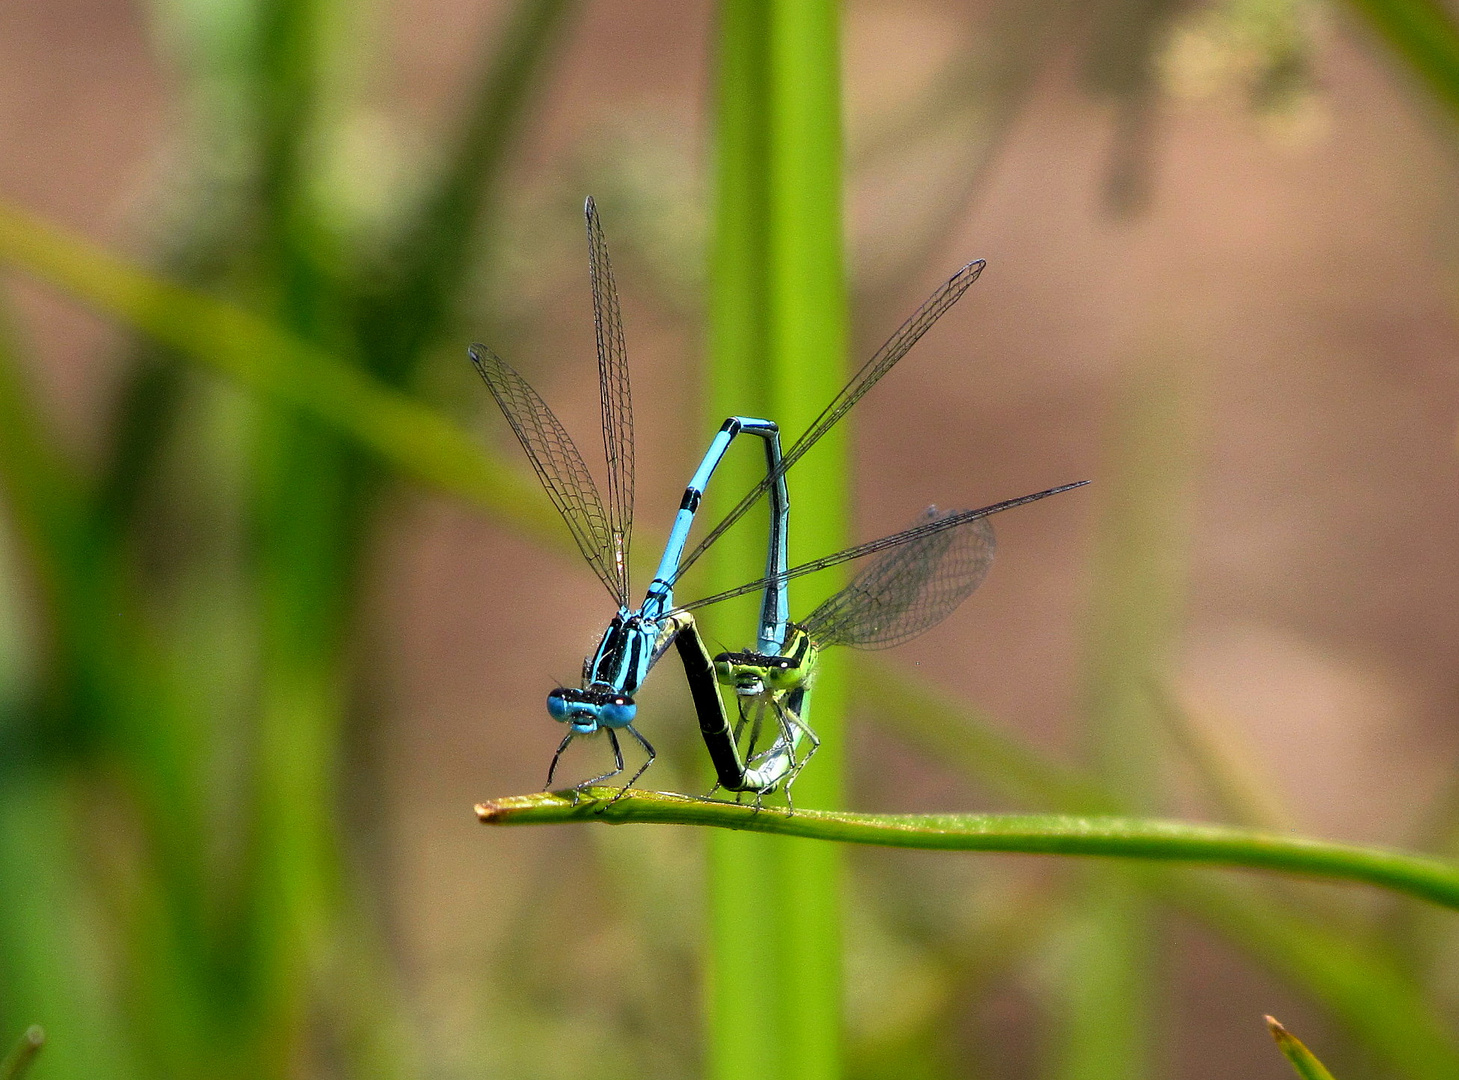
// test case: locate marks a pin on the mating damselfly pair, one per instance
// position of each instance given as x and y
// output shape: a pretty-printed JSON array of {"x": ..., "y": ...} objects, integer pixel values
[{"x": 922, "y": 575}]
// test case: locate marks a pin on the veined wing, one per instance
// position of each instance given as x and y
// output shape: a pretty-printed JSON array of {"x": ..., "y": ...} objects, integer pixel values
[
  {"x": 557, "y": 462},
  {"x": 909, "y": 589},
  {"x": 909, "y": 536},
  {"x": 617, "y": 401},
  {"x": 870, "y": 374}
]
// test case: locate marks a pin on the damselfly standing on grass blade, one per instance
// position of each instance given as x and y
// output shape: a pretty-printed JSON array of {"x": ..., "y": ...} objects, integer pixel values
[
  {"x": 923, "y": 574},
  {"x": 637, "y": 637}
]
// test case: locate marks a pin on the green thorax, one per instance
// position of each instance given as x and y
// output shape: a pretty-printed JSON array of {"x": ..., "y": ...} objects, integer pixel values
[{"x": 755, "y": 673}]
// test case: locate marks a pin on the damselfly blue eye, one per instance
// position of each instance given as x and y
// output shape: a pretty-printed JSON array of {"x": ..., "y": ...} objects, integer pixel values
[{"x": 617, "y": 712}]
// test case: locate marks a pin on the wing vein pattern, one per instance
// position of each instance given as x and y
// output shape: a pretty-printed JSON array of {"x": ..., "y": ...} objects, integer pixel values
[
  {"x": 908, "y": 590},
  {"x": 871, "y": 372},
  {"x": 908, "y": 536},
  {"x": 616, "y": 400},
  {"x": 557, "y": 462}
]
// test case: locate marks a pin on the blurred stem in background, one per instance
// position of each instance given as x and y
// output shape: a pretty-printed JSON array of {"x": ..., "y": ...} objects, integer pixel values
[
  {"x": 1133, "y": 621},
  {"x": 777, "y": 344},
  {"x": 48, "y": 930}
]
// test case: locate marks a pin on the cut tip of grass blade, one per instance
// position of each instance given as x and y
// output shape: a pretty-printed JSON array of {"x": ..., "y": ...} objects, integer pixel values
[
  {"x": 1304, "y": 1062},
  {"x": 18, "y": 1061}
]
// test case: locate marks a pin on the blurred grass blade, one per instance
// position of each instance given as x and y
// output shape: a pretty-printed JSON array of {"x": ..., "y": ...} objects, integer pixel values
[
  {"x": 1105, "y": 984},
  {"x": 42, "y": 493},
  {"x": 51, "y": 967},
  {"x": 966, "y": 739},
  {"x": 808, "y": 366},
  {"x": 1138, "y": 576},
  {"x": 740, "y": 1011},
  {"x": 431, "y": 257},
  {"x": 1134, "y": 612},
  {"x": 1425, "y": 36},
  {"x": 17, "y": 1062},
  {"x": 1229, "y": 777},
  {"x": 278, "y": 366},
  {"x": 1304, "y": 1061}
]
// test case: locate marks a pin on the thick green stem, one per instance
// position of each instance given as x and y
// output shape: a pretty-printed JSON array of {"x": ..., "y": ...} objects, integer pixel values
[
  {"x": 1152, "y": 839},
  {"x": 777, "y": 314}
]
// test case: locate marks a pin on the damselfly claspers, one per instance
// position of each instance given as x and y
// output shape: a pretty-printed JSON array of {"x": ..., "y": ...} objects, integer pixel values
[{"x": 637, "y": 637}]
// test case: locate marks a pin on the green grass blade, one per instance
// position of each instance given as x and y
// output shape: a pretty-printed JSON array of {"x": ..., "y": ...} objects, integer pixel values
[
  {"x": 1105, "y": 989},
  {"x": 777, "y": 334},
  {"x": 1304, "y": 1061},
  {"x": 48, "y": 961},
  {"x": 1373, "y": 996},
  {"x": 1226, "y": 773},
  {"x": 1153, "y": 839},
  {"x": 41, "y": 491},
  {"x": 970, "y": 742},
  {"x": 742, "y": 1011},
  {"x": 1425, "y": 36},
  {"x": 807, "y": 350},
  {"x": 279, "y": 367}
]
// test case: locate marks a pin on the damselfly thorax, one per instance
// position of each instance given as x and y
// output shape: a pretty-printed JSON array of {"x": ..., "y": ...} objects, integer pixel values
[{"x": 754, "y": 674}]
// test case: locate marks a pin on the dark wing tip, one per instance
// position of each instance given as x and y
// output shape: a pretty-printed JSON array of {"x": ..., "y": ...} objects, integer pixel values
[{"x": 590, "y": 208}]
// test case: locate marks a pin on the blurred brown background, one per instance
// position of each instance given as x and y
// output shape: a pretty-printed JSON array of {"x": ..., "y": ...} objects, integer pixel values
[{"x": 1289, "y": 262}]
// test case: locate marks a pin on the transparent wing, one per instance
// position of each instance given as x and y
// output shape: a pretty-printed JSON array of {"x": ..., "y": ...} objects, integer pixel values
[
  {"x": 557, "y": 462},
  {"x": 909, "y": 536},
  {"x": 870, "y": 374},
  {"x": 617, "y": 401},
  {"x": 909, "y": 589}
]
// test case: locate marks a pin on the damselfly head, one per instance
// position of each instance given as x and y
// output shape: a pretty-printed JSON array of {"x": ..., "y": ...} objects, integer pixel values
[
  {"x": 752, "y": 673},
  {"x": 591, "y": 708}
]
